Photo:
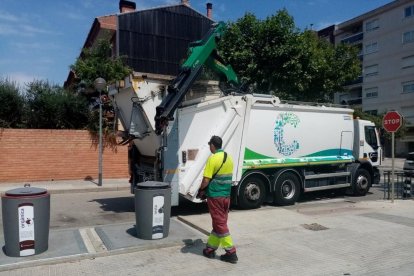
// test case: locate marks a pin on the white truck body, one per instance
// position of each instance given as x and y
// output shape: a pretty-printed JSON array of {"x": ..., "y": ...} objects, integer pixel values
[{"x": 276, "y": 147}]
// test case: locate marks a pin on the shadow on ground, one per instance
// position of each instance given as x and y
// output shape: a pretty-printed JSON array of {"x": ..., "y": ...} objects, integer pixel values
[
  {"x": 127, "y": 204},
  {"x": 194, "y": 246},
  {"x": 116, "y": 204}
]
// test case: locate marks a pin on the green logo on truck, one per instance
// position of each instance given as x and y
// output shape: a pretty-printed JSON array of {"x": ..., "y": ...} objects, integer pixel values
[{"x": 281, "y": 146}]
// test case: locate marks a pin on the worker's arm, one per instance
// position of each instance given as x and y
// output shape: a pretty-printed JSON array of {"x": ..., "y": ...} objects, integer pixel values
[
  {"x": 204, "y": 183},
  {"x": 201, "y": 192}
]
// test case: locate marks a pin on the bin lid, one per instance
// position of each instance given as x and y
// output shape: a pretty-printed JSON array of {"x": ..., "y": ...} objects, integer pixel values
[
  {"x": 153, "y": 185},
  {"x": 26, "y": 191}
]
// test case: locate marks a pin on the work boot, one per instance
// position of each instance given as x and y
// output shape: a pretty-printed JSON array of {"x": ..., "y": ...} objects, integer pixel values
[
  {"x": 229, "y": 257},
  {"x": 209, "y": 253}
]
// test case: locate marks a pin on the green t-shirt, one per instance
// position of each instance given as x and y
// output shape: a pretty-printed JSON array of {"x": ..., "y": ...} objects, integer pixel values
[{"x": 220, "y": 186}]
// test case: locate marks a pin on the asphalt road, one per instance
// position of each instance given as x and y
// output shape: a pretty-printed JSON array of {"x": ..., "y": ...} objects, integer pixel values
[
  {"x": 74, "y": 210},
  {"x": 90, "y": 209},
  {"x": 103, "y": 208}
]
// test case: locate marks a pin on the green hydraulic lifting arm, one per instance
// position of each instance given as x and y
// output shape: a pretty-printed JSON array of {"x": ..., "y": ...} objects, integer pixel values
[{"x": 202, "y": 52}]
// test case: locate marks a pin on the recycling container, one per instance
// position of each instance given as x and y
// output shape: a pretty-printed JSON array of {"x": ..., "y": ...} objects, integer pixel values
[
  {"x": 152, "y": 209},
  {"x": 26, "y": 218}
]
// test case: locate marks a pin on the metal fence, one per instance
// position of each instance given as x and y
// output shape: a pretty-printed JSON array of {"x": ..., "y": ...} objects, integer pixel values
[{"x": 403, "y": 185}]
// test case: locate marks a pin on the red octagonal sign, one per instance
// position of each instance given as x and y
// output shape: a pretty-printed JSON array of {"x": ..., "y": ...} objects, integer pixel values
[{"x": 392, "y": 121}]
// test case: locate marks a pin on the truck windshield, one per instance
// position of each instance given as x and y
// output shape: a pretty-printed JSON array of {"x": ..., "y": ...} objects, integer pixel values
[{"x": 371, "y": 136}]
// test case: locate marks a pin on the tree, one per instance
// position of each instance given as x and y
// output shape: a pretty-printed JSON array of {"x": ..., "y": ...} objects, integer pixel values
[
  {"x": 52, "y": 107},
  {"x": 12, "y": 105},
  {"x": 273, "y": 56},
  {"x": 321, "y": 69},
  {"x": 98, "y": 62}
]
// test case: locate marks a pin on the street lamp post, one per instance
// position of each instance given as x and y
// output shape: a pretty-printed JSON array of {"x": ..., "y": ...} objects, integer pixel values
[{"x": 100, "y": 85}]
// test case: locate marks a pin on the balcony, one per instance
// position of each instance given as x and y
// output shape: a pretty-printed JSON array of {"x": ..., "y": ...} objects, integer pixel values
[
  {"x": 359, "y": 80},
  {"x": 353, "y": 38},
  {"x": 353, "y": 102}
]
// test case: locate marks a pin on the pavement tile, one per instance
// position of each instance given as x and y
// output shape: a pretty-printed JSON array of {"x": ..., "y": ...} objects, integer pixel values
[
  {"x": 119, "y": 236},
  {"x": 62, "y": 242}
]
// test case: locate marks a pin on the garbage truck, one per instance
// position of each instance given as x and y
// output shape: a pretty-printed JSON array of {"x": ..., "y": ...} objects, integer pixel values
[{"x": 280, "y": 149}]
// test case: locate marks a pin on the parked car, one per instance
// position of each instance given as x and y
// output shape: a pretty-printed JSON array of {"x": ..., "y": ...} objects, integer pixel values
[{"x": 409, "y": 164}]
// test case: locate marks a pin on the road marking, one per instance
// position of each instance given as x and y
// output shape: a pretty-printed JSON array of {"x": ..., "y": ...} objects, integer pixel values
[
  {"x": 86, "y": 240},
  {"x": 92, "y": 241}
]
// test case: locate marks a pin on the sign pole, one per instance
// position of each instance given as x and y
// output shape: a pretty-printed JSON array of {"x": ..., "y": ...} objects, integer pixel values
[
  {"x": 391, "y": 122},
  {"x": 392, "y": 166}
]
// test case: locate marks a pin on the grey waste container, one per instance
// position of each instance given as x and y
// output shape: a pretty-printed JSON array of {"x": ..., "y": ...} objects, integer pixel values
[
  {"x": 152, "y": 210},
  {"x": 26, "y": 218}
]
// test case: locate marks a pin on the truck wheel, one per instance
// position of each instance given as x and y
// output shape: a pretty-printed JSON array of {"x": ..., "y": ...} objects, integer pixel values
[
  {"x": 362, "y": 182},
  {"x": 251, "y": 193},
  {"x": 287, "y": 189}
]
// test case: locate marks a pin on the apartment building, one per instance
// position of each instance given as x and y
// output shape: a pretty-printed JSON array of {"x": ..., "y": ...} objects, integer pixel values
[{"x": 385, "y": 37}]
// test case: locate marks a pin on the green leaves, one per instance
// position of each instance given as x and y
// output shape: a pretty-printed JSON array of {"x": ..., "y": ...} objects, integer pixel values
[
  {"x": 41, "y": 105},
  {"x": 51, "y": 107},
  {"x": 256, "y": 47},
  {"x": 98, "y": 62},
  {"x": 273, "y": 56},
  {"x": 12, "y": 104}
]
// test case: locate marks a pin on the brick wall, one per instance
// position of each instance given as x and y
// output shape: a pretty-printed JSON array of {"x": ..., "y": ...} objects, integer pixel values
[{"x": 43, "y": 154}]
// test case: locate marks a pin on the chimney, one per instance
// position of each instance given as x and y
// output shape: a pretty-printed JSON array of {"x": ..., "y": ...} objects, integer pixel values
[
  {"x": 126, "y": 6},
  {"x": 185, "y": 2},
  {"x": 209, "y": 10}
]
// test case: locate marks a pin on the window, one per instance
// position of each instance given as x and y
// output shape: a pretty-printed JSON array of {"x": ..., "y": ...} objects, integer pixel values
[
  {"x": 371, "y": 70},
  {"x": 409, "y": 11},
  {"x": 408, "y": 87},
  {"x": 408, "y": 113},
  {"x": 408, "y": 37},
  {"x": 371, "y": 92},
  {"x": 371, "y": 136},
  {"x": 372, "y": 25},
  {"x": 371, "y": 48},
  {"x": 407, "y": 62}
]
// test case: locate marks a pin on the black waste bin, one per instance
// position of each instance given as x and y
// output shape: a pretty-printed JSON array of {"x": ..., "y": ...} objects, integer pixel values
[
  {"x": 26, "y": 218},
  {"x": 152, "y": 210}
]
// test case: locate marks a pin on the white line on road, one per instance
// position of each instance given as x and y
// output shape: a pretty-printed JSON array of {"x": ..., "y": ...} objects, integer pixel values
[{"x": 92, "y": 241}]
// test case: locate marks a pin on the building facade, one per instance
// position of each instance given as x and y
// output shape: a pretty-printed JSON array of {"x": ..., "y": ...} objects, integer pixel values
[
  {"x": 153, "y": 41},
  {"x": 385, "y": 37}
]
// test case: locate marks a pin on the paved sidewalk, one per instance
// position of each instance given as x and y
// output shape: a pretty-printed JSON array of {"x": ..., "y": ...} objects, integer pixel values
[
  {"x": 345, "y": 238},
  {"x": 71, "y": 186}
]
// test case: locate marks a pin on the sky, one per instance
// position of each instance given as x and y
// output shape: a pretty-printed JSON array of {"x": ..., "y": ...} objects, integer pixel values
[{"x": 39, "y": 40}]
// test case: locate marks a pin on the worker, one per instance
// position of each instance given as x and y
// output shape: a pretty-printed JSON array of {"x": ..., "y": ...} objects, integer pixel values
[{"x": 216, "y": 187}]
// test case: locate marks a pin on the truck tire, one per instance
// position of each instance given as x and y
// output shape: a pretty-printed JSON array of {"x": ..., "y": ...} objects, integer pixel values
[
  {"x": 252, "y": 193},
  {"x": 362, "y": 182},
  {"x": 287, "y": 189}
]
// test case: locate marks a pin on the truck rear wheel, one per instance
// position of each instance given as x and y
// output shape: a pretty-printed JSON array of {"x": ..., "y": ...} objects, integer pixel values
[
  {"x": 362, "y": 182},
  {"x": 287, "y": 189},
  {"x": 251, "y": 193}
]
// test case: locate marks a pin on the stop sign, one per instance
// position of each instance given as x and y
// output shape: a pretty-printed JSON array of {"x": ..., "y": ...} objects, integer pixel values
[{"x": 392, "y": 121}]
